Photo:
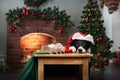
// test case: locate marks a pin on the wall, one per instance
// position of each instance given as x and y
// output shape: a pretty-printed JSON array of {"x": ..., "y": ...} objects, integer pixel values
[
  {"x": 5, "y": 5},
  {"x": 107, "y": 21},
  {"x": 112, "y": 25},
  {"x": 116, "y": 29}
]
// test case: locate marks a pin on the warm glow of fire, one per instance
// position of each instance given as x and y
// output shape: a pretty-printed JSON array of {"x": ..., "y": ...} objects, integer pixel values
[{"x": 33, "y": 41}]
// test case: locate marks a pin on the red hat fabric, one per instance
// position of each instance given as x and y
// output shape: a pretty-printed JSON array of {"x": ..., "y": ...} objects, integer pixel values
[{"x": 81, "y": 36}]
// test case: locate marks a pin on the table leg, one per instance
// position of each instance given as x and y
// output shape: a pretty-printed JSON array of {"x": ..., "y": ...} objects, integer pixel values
[
  {"x": 85, "y": 70},
  {"x": 40, "y": 70}
]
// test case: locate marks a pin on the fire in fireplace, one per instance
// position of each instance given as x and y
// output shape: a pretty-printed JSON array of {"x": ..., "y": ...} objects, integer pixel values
[{"x": 32, "y": 42}]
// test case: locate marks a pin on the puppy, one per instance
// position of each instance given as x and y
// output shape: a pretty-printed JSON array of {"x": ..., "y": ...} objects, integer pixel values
[{"x": 80, "y": 46}]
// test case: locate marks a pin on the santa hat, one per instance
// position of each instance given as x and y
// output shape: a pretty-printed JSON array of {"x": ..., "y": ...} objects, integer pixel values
[{"x": 81, "y": 36}]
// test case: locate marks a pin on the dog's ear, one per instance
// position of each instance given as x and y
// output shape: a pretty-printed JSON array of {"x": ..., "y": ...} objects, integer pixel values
[{"x": 72, "y": 42}]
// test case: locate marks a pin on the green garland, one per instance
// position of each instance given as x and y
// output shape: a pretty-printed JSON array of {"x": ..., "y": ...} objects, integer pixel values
[
  {"x": 34, "y": 3},
  {"x": 60, "y": 19}
]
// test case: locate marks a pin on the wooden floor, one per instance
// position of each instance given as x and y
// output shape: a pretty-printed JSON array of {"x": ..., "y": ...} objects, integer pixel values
[{"x": 112, "y": 72}]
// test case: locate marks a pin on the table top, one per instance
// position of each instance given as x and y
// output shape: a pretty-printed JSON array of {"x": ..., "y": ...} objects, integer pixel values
[{"x": 65, "y": 55}]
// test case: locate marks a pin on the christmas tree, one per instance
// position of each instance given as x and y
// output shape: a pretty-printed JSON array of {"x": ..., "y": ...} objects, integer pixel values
[{"x": 91, "y": 23}]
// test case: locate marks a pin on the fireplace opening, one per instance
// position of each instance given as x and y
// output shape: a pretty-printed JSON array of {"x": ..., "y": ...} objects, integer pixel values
[{"x": 31, "y": 42}]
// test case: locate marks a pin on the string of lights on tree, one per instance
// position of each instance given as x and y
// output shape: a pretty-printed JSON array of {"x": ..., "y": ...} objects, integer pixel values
[
  {"x": 91, "y": 23},
  {"x": 60, "y": 19}
]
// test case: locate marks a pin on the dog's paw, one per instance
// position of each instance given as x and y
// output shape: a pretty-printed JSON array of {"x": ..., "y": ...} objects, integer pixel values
[{"x": 72, "y": 48}]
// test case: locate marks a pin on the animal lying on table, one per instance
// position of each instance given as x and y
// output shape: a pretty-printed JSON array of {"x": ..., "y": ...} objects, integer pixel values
[
  {"x": 80, "y": 43},
  {"x": 81, "y": 46},
  {"x": 56, "y": 48}
]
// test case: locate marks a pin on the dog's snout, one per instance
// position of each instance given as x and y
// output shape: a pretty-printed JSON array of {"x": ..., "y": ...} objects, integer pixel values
[{"x": 80, "y": 50}]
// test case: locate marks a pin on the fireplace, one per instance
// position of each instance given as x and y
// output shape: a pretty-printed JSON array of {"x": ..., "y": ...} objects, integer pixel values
[
  {"x": 31, "y": 42},
  {"x": 29, "y": 27}
]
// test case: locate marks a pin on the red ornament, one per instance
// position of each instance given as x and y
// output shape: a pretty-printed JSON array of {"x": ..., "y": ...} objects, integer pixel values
[
  {"x": 83, "y": 16},
  {"x": 96, "y": 19},
  {"x": 86, "y": 21},
  {"x": 106, "y": 62},
  {"x": 24, "y": 10},
  {"x": 37, "y": 3},
  {"x": 107, "y": 45},
  {"x": 88, "y": 29},
  {"x": 14, "y": 28},
  {"x": 96, "y": 64},
  {"x": 17, "y": 16},
  {"x": 100, "y": 38},
  {"x": 60, "y": 30},
  {"x": 104, "y": 51},
  {"x": 27, "y": 13},
  {"x": 99, "y": 54},
  {"x": 96, "y": 9}
]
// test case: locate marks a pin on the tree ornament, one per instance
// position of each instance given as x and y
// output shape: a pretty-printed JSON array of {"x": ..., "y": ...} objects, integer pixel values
[
  {"x": 98, "y": 29},
  {"x": 17, "y": 16},
  {"x": 96, "y": 9},
  {"x": 98, "y": 54},
  {"x": 96, "y": 64},
  {"x": 101, "y": 58},
  {"x": 100, "y": 38},
  {"x": 93, "y": 19},
  {"x": 86, "y": 21},
  {"x": 90, "y": 14},
  {"x": 106, "y": 62},
  {"x": 104, "y": 51},
  {"x": 83, "y": 16},
  {"x": 88, "y": 29},
  {"x": 96, "y": 19},
  {"x": 107, "y": 46},
  {"x": 97, "y": 45}
]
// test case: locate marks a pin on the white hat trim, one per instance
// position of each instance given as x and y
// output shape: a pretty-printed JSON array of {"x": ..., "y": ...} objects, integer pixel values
[{"x": 78, "y": 36}]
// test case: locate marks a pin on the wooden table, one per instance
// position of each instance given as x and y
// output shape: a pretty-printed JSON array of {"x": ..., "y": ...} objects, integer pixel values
[{"x": 64, "y": 59}]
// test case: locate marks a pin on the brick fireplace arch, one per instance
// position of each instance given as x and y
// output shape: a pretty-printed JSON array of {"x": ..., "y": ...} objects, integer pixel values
[{"x": 28, "y": 26}]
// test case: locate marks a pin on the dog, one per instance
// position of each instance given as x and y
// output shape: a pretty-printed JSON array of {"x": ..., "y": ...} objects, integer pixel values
[{"x": 81, "y": 46}]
